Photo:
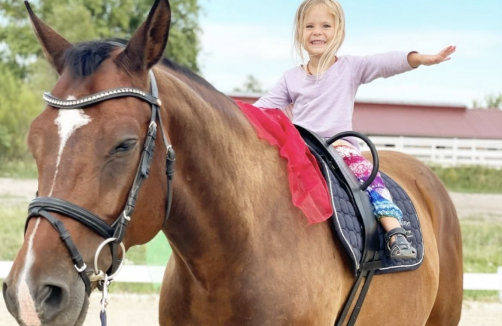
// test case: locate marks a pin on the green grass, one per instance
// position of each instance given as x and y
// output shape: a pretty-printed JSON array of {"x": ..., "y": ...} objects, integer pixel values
[
  {"x": 12, "y": 219},
  {"x": 20, "y": 169},
  {"x": 482, "y": 246},
  {"x": 473, "y": 179},
  {"x": 483, "y": 296},
  {"x": 10, "y": 196}
]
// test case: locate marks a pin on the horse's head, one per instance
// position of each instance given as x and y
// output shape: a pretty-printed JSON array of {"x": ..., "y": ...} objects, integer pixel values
[{"x": 89, "y": 149}]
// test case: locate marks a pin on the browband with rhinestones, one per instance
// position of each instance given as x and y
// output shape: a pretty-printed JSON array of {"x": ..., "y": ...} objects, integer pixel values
[{"x": 100, "y": 97}]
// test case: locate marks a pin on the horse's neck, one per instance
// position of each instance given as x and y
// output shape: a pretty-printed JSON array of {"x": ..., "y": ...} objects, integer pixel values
[
  {"x": 233, "y": 223},
  {"x": 228, "y": 184}
]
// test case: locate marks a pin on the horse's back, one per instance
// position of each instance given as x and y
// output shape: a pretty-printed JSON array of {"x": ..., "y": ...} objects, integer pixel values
[{"x": 441, "y": 228}]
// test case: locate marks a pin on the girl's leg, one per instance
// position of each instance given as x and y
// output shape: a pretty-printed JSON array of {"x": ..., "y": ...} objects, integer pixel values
[
  {"x": 388, "y": 214},
  {"x": 380, "y": 197}
]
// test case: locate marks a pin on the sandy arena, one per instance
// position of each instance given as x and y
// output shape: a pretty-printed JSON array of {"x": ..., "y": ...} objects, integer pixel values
[{"x": 133, "y": 309}]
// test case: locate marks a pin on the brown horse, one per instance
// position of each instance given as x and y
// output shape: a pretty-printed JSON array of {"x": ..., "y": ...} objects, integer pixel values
[{"x": 242, "y": 252}]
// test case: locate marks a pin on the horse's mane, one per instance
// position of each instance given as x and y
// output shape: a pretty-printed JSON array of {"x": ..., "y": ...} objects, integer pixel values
[{"x": 84, "y": 59}]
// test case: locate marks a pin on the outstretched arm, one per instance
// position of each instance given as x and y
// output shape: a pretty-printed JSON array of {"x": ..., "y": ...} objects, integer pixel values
[
  {"x": 416, "y": 59},
  {"x": 277, "y": 98}
]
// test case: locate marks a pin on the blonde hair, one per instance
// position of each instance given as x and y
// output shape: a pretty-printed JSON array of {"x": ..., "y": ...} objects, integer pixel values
[{"x": 336, "y": 10}]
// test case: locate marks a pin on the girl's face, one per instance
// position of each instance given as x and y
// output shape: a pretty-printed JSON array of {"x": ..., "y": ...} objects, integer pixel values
[{"x": 319, "y": 30}]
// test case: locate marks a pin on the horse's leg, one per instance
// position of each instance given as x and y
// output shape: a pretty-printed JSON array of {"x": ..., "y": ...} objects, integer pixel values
[{"x": 448, "y": 304}]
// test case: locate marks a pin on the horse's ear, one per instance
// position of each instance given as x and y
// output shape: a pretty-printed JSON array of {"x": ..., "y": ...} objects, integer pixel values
[
  {"x": 148, "y": 43},
  {"x": 53, "y": 44}
]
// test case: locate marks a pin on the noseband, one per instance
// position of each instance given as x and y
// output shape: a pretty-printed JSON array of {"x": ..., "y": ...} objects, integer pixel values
[{"x": 114, "y": 234}]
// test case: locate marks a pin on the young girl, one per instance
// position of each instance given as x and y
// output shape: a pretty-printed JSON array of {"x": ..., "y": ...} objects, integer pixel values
[{"x": 322, "y": 93}]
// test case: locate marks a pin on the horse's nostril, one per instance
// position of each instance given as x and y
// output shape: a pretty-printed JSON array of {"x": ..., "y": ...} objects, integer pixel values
[
  {"x": 4, "y": 292},
  {"x": 51, "y": 302},
  {"x": 4, "y": 288},
  {"x": 10, "y": 300},
  {"x": 51, "y": 297}
]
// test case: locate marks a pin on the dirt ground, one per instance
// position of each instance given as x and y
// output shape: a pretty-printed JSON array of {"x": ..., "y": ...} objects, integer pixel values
[
  {"x": 468, "y": 205},
  {"x": 142, "y": 309}
]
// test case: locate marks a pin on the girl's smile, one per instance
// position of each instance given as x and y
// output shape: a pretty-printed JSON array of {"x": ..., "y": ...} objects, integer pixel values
[
  {"x": 318, "y": 42},
  {"x": 319, "y": 30}
]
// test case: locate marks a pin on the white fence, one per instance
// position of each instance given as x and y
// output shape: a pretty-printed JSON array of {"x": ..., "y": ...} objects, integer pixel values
[
  {"x": 444, "y": 151},
  {"x": 153, "y": 274}
]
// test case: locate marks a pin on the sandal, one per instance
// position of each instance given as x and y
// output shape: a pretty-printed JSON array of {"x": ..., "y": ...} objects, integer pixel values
[{"x": 400, "y": 248}]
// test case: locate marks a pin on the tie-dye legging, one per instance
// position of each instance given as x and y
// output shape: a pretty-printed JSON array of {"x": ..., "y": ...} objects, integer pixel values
[{"x": 380, "y": 196}]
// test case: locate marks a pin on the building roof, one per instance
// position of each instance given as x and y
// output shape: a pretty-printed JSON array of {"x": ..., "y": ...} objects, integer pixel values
[
  {"x": 420, "y": 120},
  {"x": 427, "y": 121}
]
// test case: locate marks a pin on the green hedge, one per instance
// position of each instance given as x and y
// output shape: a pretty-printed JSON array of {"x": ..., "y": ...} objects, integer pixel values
[
  {"x": 18, "y": 107},
  {"x": 475, "y": 179}
]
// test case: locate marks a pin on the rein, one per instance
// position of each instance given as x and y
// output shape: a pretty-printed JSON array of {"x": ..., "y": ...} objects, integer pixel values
[{"x": 114, "y": 234}]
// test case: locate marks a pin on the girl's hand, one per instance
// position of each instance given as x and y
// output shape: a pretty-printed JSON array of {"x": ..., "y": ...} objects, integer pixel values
[{"x": 444, "y": 55}]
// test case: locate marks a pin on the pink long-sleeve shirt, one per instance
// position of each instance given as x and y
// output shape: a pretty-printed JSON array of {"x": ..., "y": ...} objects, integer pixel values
[{"x": 326, "y": 106}]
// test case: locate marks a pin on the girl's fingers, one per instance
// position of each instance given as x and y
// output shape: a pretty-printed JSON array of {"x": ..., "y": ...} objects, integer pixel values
[{"x": 446, "y": 52}]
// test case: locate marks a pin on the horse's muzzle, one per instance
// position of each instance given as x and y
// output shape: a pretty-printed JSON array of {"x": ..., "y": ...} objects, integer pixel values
[
  {"x": 9, "y": 298},
  {"x": 50, "y": 301}
]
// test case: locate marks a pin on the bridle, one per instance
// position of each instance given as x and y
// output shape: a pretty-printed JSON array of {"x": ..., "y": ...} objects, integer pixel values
[{"x": 114, "y": 234}]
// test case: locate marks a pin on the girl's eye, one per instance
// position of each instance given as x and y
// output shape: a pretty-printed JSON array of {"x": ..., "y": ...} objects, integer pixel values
[
  {"x": 125, "y": 146},
  {"x": 327, "y": 26},
  {"x": 309, "y": 26}
]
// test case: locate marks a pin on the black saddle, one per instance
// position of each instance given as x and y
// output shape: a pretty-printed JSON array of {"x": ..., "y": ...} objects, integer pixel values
[{"x": 353, "y": 219}]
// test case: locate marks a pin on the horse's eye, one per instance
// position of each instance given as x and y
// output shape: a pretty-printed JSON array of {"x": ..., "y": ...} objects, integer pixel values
[{"x": 125, "y": 146}]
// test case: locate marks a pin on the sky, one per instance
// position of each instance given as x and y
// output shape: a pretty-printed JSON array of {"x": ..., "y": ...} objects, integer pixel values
[{"x": 242, "y": 38}]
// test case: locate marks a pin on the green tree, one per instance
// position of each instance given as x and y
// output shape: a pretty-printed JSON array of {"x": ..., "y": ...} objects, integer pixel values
[
  {"x": 84, "y": 20},
  {"x": 25, "y": 73},
  {"x": 492, "y": 101},
  {"x": 251, "y": 85},
  {"x": 18, "y": 107}
]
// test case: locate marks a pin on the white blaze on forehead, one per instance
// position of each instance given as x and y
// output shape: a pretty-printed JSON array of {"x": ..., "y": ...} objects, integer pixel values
[
  {"x": 27, "y": 310},
  {"x": 68, "y": 121}
]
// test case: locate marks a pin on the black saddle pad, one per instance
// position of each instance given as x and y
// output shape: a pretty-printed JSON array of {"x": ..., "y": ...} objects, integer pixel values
[{"x": 348, "y": 225}]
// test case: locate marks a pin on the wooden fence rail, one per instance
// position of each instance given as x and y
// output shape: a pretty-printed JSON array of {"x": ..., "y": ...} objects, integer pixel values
[
  {"x": 153, "y": 274},
  {"x": 444, "y": 151}
]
